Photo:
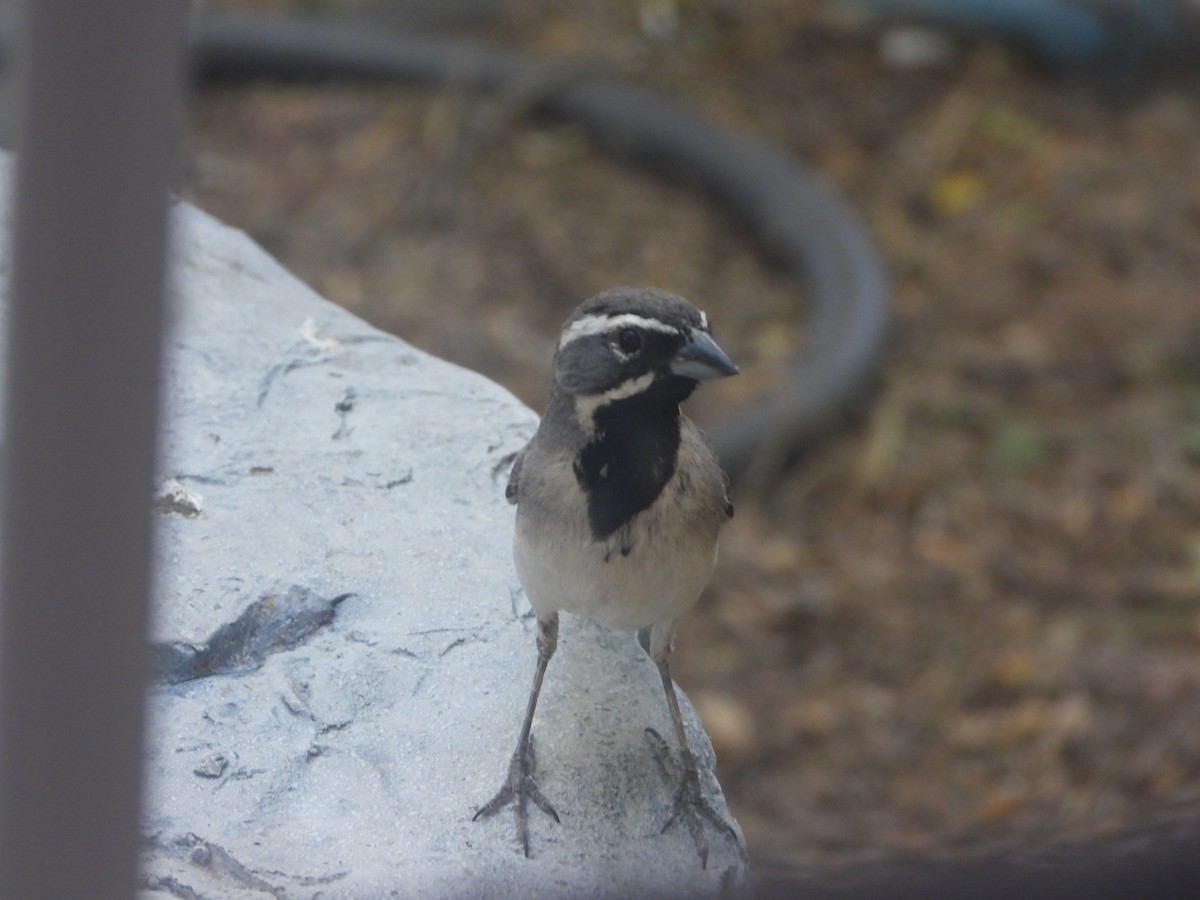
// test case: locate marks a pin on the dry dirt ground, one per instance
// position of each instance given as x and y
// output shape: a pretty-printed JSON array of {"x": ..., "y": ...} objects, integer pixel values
[{"x": 972, "y": 618}]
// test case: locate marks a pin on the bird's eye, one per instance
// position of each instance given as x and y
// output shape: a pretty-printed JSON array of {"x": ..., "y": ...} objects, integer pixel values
[{"x": 629, "y": 339}]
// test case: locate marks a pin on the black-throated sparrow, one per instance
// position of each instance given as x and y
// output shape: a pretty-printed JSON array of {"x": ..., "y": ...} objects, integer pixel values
[{"x": 619, "y": 499}]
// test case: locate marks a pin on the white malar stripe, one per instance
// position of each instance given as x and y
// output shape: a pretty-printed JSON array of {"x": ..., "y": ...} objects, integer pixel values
[
  {"x": 593, "y": 325},
  {"x": 587, "y": 404}
]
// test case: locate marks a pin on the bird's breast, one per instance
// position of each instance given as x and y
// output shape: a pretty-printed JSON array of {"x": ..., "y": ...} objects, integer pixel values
[{"x": 650, "y": 569}]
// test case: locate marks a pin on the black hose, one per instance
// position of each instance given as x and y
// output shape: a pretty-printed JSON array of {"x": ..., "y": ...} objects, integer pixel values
[{"x": 795, "y": 215}]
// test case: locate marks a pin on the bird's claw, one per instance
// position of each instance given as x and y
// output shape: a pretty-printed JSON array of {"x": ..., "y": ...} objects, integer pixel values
[
  {"x": 519, "y": 788},
  {"x": 688, "y": 802}
]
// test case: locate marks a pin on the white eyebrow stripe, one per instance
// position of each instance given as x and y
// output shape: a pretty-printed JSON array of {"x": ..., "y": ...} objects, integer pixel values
[
  {"x": 593, "y": 325},
  {"x": 703, "y": 320}
]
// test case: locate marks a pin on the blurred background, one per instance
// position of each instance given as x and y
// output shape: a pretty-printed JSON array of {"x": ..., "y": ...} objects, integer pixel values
[{"x": 967, "y": 619}]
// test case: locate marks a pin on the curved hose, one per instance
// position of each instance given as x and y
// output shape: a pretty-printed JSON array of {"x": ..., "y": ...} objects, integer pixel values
[{"x": 794, "y": 214}]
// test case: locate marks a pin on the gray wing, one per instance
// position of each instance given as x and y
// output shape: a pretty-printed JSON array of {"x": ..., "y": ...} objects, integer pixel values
[{"x": 514, "y": 479}]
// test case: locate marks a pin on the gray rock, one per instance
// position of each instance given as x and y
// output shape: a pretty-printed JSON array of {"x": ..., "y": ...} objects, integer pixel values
[{"x": 344, "y": 650}]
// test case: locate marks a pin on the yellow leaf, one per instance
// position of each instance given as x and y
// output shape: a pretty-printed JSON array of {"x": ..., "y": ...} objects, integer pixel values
[{"x": 956, "y": 193}]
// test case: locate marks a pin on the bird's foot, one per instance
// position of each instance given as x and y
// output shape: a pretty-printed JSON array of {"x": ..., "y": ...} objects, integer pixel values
[
  {"x": 519, "y": 788},
  {"x": 689, "y": 803}
]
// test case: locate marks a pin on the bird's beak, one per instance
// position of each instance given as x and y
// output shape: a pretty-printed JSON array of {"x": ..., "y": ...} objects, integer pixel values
[{"x": 701, "y": 358}]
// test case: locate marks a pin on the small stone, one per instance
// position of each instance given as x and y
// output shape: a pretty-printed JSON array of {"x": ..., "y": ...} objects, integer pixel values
[
  {"x": 910, "y": 48},
  {"x": 213, "y": 766},
  {"x": 174, "y": 499},
  {"x": 201, "y": 854}
]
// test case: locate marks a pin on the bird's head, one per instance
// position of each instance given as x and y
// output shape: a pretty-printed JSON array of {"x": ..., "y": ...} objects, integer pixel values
[{"x": 636, "y": 342}]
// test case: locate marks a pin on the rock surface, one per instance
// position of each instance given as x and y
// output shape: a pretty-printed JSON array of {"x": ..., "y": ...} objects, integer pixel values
[{"x": 343, "y": 648}]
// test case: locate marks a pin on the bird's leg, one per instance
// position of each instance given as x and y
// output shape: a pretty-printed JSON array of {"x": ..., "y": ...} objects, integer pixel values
[
  {"x": 689, "y": 802},
  {"x": 520, "y": 786}
]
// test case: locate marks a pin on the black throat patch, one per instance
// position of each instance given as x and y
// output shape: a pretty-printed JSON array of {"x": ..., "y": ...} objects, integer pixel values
[{"x": 632, "y": 458}]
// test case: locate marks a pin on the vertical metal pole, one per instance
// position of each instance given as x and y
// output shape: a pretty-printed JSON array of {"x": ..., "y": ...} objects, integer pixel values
[{"x": 97, "y": 142}]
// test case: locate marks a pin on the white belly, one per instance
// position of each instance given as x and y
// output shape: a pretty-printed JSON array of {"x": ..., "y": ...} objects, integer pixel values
[{"x": 658, "y": 580}]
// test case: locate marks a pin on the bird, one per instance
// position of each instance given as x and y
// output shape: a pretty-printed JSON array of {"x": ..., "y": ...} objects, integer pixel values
[{"x": 619, "y": 500}]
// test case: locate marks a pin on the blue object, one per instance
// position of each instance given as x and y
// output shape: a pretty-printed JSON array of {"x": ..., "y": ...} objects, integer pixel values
[{"x": 1059, "y": 31}]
